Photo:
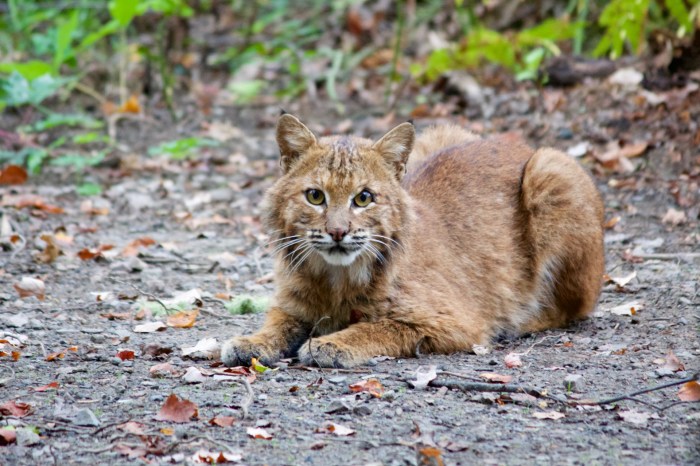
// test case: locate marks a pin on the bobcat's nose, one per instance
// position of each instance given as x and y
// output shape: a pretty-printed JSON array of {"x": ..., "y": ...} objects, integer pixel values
[{"x": 337, "y": 233}]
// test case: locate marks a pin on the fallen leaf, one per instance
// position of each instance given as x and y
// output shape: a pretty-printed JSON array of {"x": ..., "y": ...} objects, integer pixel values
[
  {"x": 612, "y": 222},
  {"x": 335, "y": 429},
  {"x": 257, "y": 432},
  {"x": 207, "y": 348},
  {"x": 150, "y": 327},
  {"x": 194, "y": 375},
  {"x": 616, "y": 153},
  {"x": 88, "y": 254},
  {"x": 628, "y": 309},
  {"x": 132, "y": 249},
  {"x": 183, "y": 319},
  {"x": 51, "y": 386},
  {"x": 15, "y": 408},
  {"x": 13, "y": 174},
  {"x": 162, "y": 370},
  {"x": 424, "y": 375},
  {"x": 622, "y": 281},
  {"x": 29, "y": 286},
  {"x": 554, "y": 415},
  {"x": 126, "y": 355},
  {"x": 430, "y": 456},
  {"x": 372, "y": 386},
  {"x": 222, "y": 421},
  {"x": 116, "y": 315},
  {"x": 672, "y": 363},
  {"x": 674, "y": 217},
  {"x": 132, "y": 427},
  {"x": 33, "y": 202},
  {"x": 257, "y": 367},
  {"x": 495, "y": 378},
  {"x": 481, "y": 350},
  {"x": 56, "y": 355},
  {"x": 512, "y": 360},
  {"x": 210, "y": 457},
  {"x": 7, "y": 436},
  {"x": 130, "y": 106},
  {"x": 689, "y": 391},
  {"x": 635, "y": 417},
  {"x": 50, "y": 252},
  {"x": 176, "y": 409}
]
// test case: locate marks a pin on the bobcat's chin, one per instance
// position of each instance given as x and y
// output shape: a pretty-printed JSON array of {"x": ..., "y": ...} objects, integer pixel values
[{"x": 340, "y": 256}]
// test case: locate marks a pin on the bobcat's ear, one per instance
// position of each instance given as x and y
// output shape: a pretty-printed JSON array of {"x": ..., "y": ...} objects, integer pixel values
[
  {"x": 395, "y": 146},
  {"x": 293, "y": 139}
]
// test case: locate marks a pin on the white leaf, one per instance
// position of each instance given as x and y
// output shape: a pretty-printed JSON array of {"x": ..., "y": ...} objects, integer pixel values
[
  {"x": 194, "y": 375},
  {"x": 554, "y": 415},
  {"x": 423, "y": 377},
  {"x": 150, "y": 327},
  {"x": 206, "y": 348}
]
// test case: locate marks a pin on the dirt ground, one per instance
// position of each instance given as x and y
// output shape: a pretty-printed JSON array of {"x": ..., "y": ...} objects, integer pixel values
[{"x": 202, "y": 216}]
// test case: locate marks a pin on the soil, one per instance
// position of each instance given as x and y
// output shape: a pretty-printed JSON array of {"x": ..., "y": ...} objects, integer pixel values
[{"x": 203, "y": 215}]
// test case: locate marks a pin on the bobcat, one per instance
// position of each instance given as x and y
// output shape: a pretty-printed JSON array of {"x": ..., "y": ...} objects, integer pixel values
[{"x": 441, "y": 242}]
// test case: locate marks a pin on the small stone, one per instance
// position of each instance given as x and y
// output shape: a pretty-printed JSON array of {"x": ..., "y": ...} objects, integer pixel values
[
  {"x": 115, "y": 361},
  {"x": 337, "y": 406},
  {"x": 663, "y": 372},
  {"x": 135, "y": 264},
  {"x": 85, "y": 417},
  {"x": 389, "y": 395},
  {"x": 26, "y": 437},
  {"x": 362, "y": 410},
  {"x": 338, "y": 379},
  {"x": 573, "y": 382}
]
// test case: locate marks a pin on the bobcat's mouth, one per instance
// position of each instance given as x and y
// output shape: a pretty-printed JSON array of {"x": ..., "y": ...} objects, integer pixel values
[{"x": 340, "y": 254}]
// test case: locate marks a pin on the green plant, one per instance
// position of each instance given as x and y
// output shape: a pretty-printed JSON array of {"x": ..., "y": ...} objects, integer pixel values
[{"x": 181, "y": 148}]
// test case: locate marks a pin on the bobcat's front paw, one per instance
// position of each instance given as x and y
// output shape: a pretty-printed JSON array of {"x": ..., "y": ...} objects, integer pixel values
[
  {"x": 327, "y": 354},
  {"x": 239, "y": 351}
]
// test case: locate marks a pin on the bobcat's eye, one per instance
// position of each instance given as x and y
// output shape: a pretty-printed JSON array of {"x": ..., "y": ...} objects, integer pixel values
[
  {"x": 315, "y": 197},
  {"x": 363, "y": 199}
]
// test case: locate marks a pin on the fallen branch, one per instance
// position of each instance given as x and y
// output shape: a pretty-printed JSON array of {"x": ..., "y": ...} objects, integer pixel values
[
  {"x": 631, "y": 396},
  {"x": 486, "y": 387}
]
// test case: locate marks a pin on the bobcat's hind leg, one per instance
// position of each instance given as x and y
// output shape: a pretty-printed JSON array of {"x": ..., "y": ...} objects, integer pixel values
[
  {"x": 280, "y": 335},
  {"x": 564, "y": 217}
]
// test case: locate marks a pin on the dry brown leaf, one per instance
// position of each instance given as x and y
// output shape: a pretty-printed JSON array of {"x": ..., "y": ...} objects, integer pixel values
[
  {"x": 7, "y": 437},
  {"x": 183, "y": 319},
  {"x": 372, "y": 386},
  {"x": 51, "y": 386},
  {"x": 130, "y": 106},
  {"x": 50, "y": 252},
  {"x": 116, "y": 315},
  {"x": 37, "y": 203},
  {"x": 13, "y": 174},
  {"x": 672, "y": 363},
  {"x": 132, "y": 427},
  {"x": 689, "y": 391},
  {"x": 126, "y": 355},
  {"x": 674, "y": 217},
  {"x": 15, "y": 408},
  {"x": 554, "y": 415},
  {"x": 87, "y": 254},
  {"x": 29, "y": 286},
  {"x": 257, "y": 432},
  {"x": 56, "y": 355},
  {"x": 211, "y": 457},
  {"x": 616, "y": 153},
  {"x": 335, "y": 429},
  {"x": 622, "y": 281},
  {"x": 163, "y": 370},
  {"x": 222, "y": 421},
  {"x": 612, "y": 222},
  {"x": 176, "y": 409},
  {"x": 132, "y": 249},
  {"x": 430, "y": 456},
  {"x": 495, "y": 378},
  {"x": 512, "y": 360}
]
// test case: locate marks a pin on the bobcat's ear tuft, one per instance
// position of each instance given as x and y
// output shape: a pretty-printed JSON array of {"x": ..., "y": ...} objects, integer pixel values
[
  {"x": 293, "y": 139},
  {"x": 395, "y": 146}
]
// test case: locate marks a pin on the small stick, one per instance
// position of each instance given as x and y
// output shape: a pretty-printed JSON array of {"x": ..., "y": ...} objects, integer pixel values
[
  {"x": 245, "y": 405},
  {"x": 670, "y": 256},
  {"x": 148, "y": 295},
  {"x": 486, "y": 387},
  {"x": 630, "y": 396}
]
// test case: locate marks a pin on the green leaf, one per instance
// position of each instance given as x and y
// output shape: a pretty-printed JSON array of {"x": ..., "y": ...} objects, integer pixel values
[
  {"x": 680, "y": 13},
  {"x": 87, "y": 138},
  {"x": 244, "y": 304},
  {"x": 181, "y": 148},
  {"x": 16, "y": 90},
  {"x": 123, "y": 10},
  {"x": 64, "y": 34},
  {"x": 29, "y": 70},
  {"x": 72, "y": 120},
  {"x": 245, "y": 91},
  {"x": 89, "y": 189},
  {"x": 106, "y": 30},
  {"x": 78, "y": 161},
  {"x": 35, "y": 159}
]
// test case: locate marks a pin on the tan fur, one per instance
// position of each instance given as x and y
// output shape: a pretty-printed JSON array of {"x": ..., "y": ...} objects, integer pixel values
[{"x": 479, "y": 238}]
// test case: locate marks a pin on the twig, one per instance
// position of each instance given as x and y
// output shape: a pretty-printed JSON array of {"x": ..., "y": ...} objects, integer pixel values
[
  {"x": 249, "y": 399},
  {"x": 671, "y": 256},
  {"x": 311, "y": 337},
  {"x": 148, "y": 295},
  {"x": 91, "y": 92},
  {"x": 486, "y": 387},
  {"x": 456, "y": 374},
  {"x": 107, "y": 426},
  {"x": 630, "y": 396}
]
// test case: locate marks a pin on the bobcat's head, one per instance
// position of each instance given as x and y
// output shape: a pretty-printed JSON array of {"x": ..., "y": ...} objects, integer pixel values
[{"x": 339, "y": 202}]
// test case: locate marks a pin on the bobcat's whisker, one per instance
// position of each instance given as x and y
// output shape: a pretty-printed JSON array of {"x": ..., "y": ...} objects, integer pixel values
[
  {"x": 303, "y": 258},
  {"x": 301, "y": 248},
  {"x": 270, "y": 243},
  {"x": 377, "y": 253},
  {"x": 282, "y": 246},
  {"x": 388, "y": 238}
]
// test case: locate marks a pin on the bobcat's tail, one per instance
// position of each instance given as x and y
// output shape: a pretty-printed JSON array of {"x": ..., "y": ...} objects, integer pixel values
[{"x": 436, "y": 138}]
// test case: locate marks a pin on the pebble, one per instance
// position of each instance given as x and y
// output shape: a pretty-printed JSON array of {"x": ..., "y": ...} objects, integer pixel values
[
  {"x": 337, "y": 406},
  {"x": 26, "y": 437},
  {"x": 91, "y": 330},
  {"x": 573, "y": 382},
  {"x": 115, "y": 360},
  {"x": 85, "y": 417},
  {"x": 362, "y": 410}
]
